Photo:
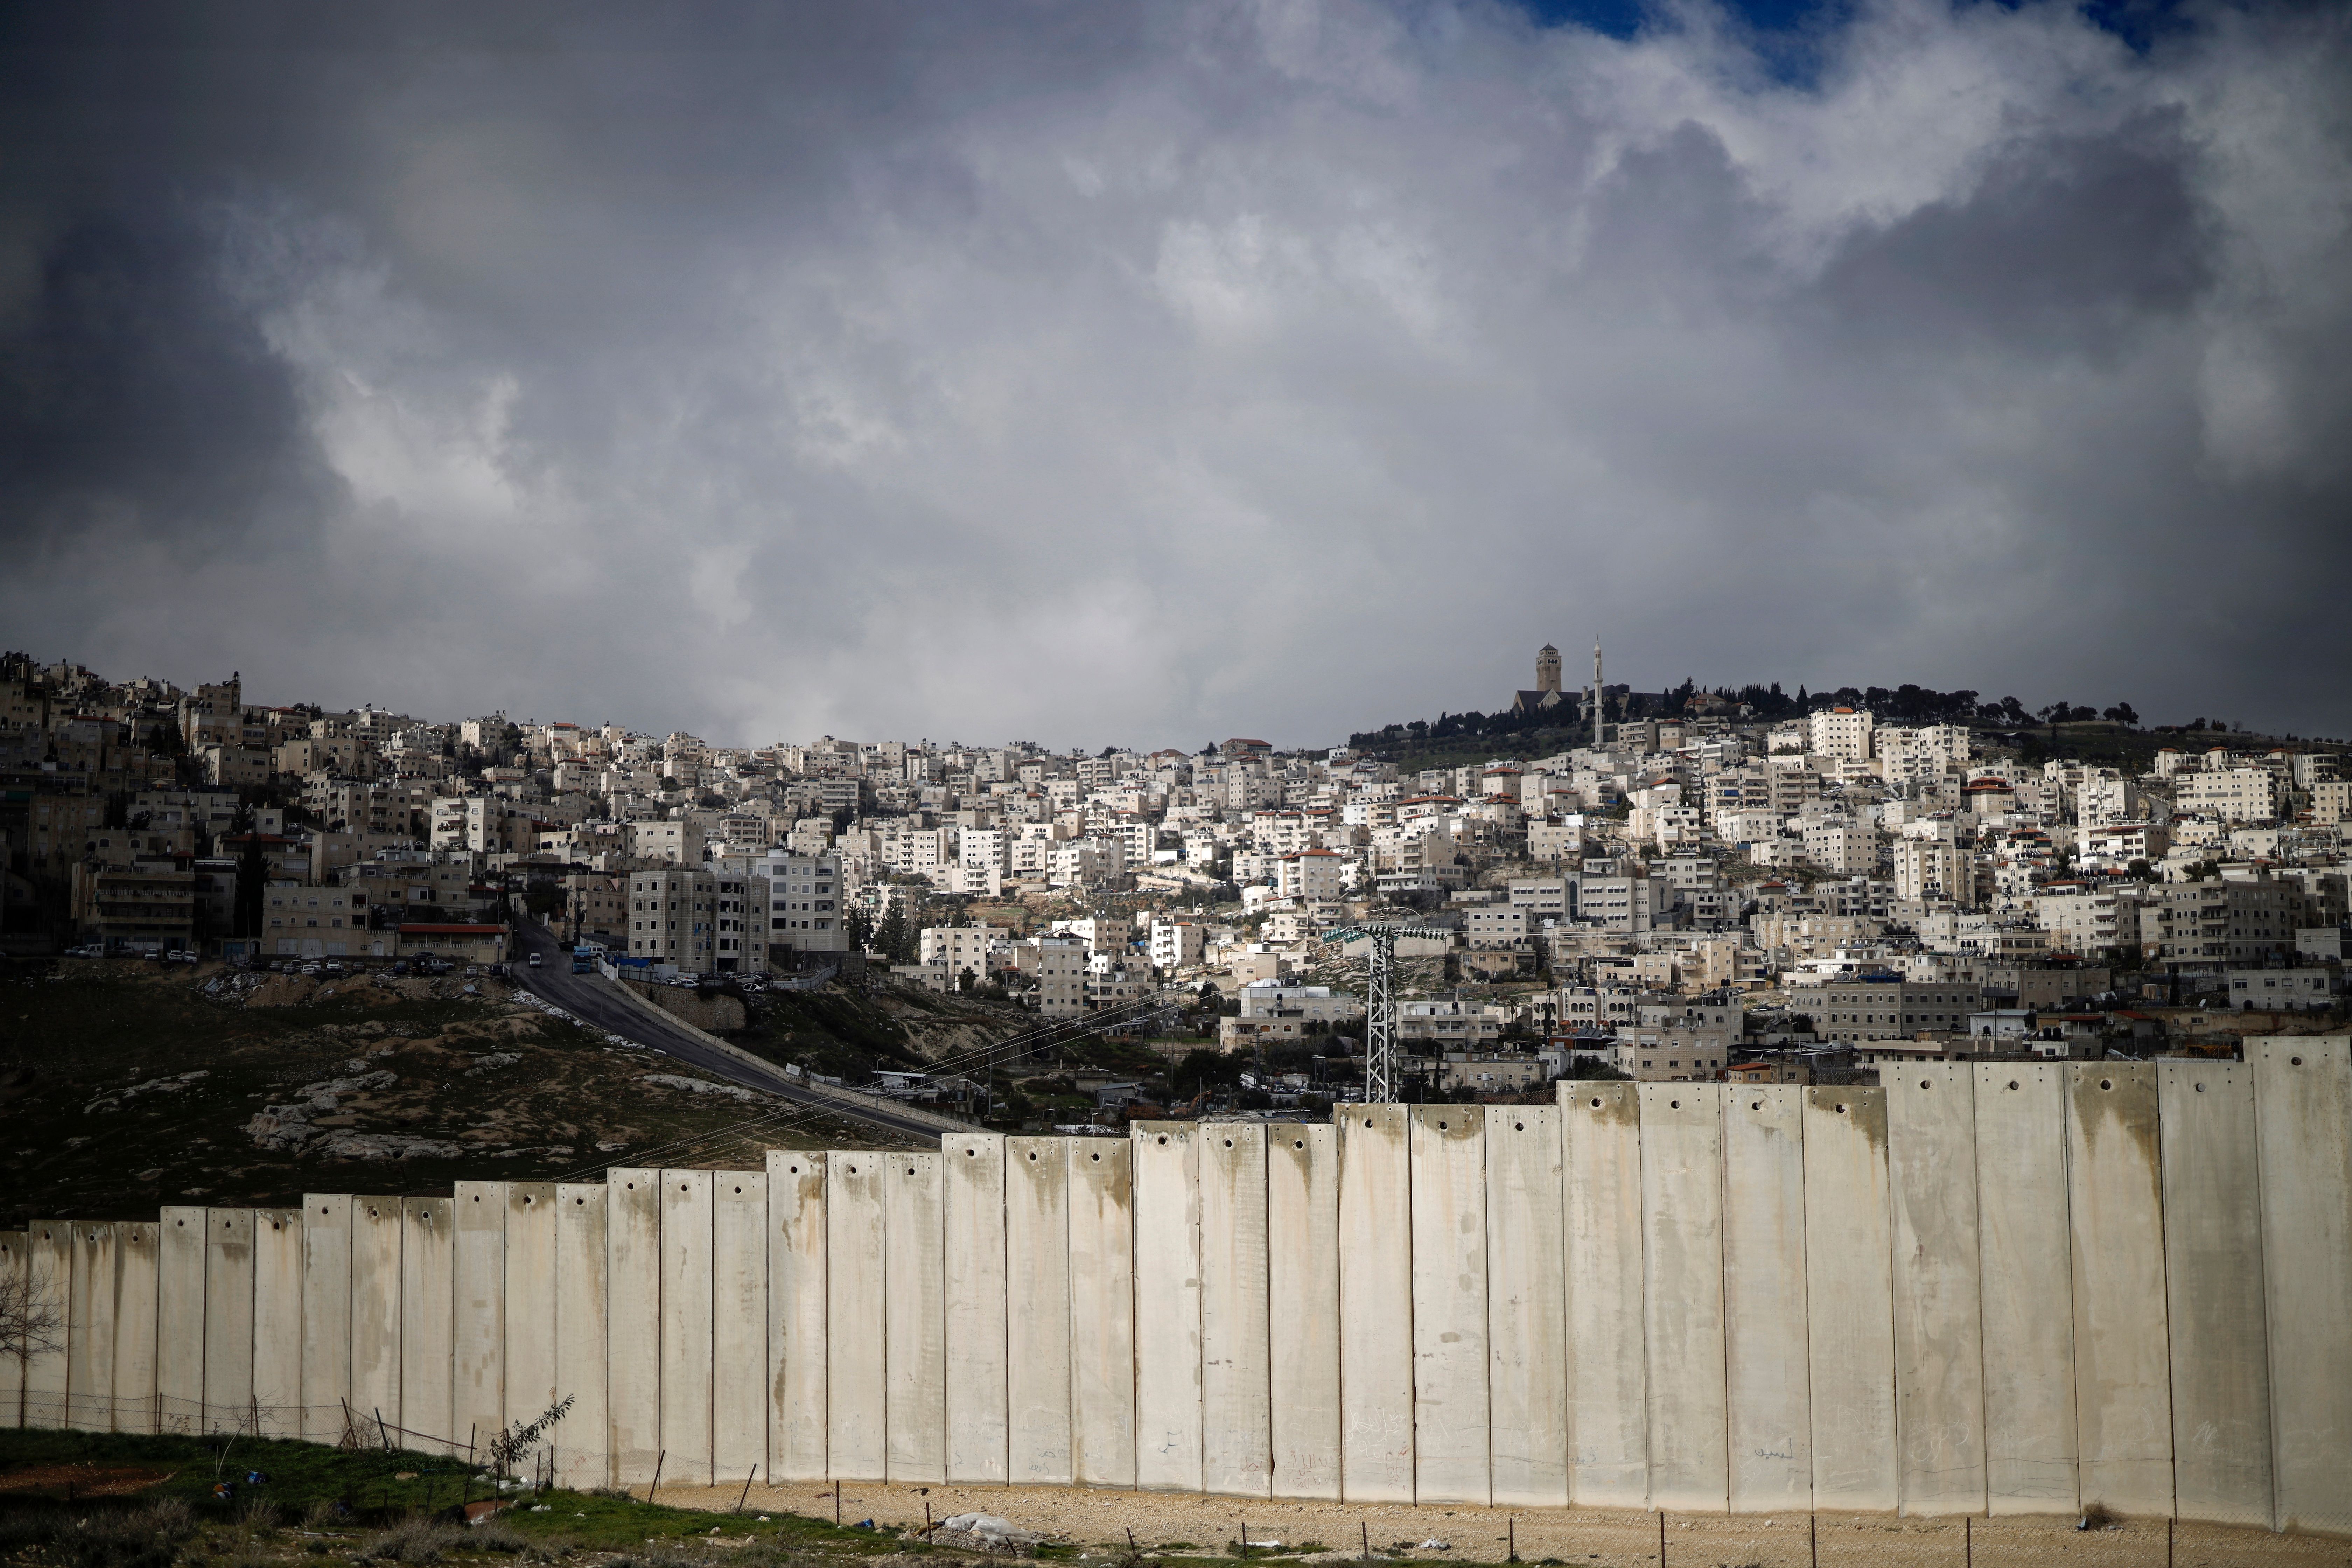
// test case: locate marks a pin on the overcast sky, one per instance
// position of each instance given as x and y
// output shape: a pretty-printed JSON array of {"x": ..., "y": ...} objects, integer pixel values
[{"x": 1146, "y": 374}]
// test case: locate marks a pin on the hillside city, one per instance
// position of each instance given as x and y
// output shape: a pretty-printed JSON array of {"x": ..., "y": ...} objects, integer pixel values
[{"x": 1683, "y": 886}]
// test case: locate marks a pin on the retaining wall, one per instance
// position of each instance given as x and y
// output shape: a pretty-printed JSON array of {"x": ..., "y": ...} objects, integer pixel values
[{"x": 1999, "y": 1287}]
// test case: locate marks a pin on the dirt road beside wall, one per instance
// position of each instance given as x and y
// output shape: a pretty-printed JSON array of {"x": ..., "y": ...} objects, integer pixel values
[{"x": 1193, "y": 1525}]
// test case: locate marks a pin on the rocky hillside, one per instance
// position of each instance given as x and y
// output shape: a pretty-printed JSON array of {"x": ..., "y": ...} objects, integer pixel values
[{"x": 123, "y": 1087}]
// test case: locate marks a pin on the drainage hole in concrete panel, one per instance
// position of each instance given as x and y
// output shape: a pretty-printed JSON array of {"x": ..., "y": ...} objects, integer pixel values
[
  {"x": 1368, "y": 1121},
  {"x": 2295, "y": 1061},
  {"x": 852, "y": 1170},
  {"x": 580, "y": 1203},
  {"x": 2106, "y": 1083},
  {"x": 1755, "y": 1105},
  {"x": 2201, "y": 1089},
  {"x": 1298, "y": 1142},
  {"x": 322, "y": 1211},
  {"x": 1098, "y": 1158},
  {"x": 970, "y": 1152},
  {"x": 1671, "y": 1105},
  {"x": 1229, "y": 1142},
  {"x": 1922, "y": 1083},
  {"x": 2013, "y": 1083},
  {"x": 1841, "y": 1111},
  {"x": 1596, "y": 1105},
  {"x": 1033, "y": 1159},
  {"x": 911, "y": 1170},
  {"x": 1519, "y": 1127},
  {"x": 1441, "y": 1127},
  {"x": 477, "y": 1198},
  {"x": 796, "y": 1170},
  {"x": 1163, "y": 1138},
  {"x": 739, "y": 1189}
]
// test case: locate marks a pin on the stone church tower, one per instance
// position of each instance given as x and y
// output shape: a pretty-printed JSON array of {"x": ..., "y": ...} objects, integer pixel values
[{"x": 1547, "y": 669}]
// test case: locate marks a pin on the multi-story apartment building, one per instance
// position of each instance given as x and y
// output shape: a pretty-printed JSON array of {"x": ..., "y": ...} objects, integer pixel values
[
  {"x": 2233, "y": 794},
  {"x": 806, "y": 908},
  {"x": 961, "y": 947},
  {"x": 2209, "y": 923},
  {"x": 1888, "y": 1007},
  {"x": 1175, "y": 943},
  {"x": 1931, "y": 869},
  {"x": 674, "y": 917},
  {"x": 301, "y": 922},
  {"x": 1843, "y": 732}
]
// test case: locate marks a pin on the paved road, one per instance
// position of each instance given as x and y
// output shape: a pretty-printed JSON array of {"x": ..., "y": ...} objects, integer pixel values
[{"x": 591, "y": 998}]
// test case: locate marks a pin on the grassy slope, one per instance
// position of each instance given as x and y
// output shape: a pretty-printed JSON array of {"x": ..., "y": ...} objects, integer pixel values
[
  {"x": 74, "y": 1036},
  {"x": 379, "y": 1487}
]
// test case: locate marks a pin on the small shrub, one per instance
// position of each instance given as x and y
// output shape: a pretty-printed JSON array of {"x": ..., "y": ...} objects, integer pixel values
[
  {"x": 497, "y": 1535},
  {"x": 416, "y": 1539},
  {"x": 325, "y": 1513}
]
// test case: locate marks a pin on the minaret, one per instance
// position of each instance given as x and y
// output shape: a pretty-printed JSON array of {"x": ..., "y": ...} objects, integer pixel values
[{"x": 1597, "y": 689}]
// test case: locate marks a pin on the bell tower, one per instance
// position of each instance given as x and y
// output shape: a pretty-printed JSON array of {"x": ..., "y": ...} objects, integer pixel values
[{"x": 1547, "y": 669}]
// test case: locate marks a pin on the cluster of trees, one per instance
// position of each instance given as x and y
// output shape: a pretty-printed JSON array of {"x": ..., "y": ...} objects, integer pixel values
[{"x": 1904, "y": 704}]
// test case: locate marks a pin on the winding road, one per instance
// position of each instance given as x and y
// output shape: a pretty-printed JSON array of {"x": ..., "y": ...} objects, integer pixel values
[{"x": 596, "y": 1001}]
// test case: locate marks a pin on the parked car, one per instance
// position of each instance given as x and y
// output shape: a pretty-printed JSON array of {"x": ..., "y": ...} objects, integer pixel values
[{"x": 535, "y": 961}]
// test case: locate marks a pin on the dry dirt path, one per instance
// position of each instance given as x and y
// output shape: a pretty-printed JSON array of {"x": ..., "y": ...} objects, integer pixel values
[{"x": 1607, "y": 1538}]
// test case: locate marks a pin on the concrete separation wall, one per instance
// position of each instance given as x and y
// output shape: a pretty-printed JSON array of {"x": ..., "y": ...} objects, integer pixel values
[{"x": 1995, "y": 1288}]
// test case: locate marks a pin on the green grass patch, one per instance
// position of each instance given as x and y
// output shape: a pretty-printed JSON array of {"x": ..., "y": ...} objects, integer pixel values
[{"x": 376, "y": 1489}]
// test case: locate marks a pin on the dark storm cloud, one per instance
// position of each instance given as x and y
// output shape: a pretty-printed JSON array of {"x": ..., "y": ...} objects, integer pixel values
[{"x": 1151, "y": 372}]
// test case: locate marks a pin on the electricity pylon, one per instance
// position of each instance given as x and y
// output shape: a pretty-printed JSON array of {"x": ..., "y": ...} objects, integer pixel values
[{"x": 1380, "y": 1074}]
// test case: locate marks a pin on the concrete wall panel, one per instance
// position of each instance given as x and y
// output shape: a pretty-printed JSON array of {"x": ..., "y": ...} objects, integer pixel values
[
  {"x": 326, "y": 1315},
  {"x": 1608, "y": 1365},
  {"x": 796, "y": 1315},
  {"x": 1303, "y": 1338},
  {"x": 1681, "y": 1244},
  {"x": 90, "y": 1327},
  {"x": 2213, "y": 1292},
  {"x": 277, "y": 1314},
  {"x": 1526, "y": 1307},
  {"x": 1850, "y": 1298},
  {"x": 478, "y": 1337},
  {"x": 739, "y": 1323},
  {"x": 532, "y": 1320},
  {"x": 857, "y": 1375},
  {"x": 583, "y": 1334},
  {"x": 633, "y": 1264},
  {"x": 1037, "y": 1309},
  {"x": 428, "y": 1301},
  {"x": 915, "y": 1352},
  {"x": 2302, "y": 1109},
  {"x": 134, "y": 1326},
  {"x": 975, "y": 1276},
  {"x": 2123, "y": 1405},
  {"x": 48, "y": 1251},
  {"x": 2028, "y": 1291},
  {"x": 377, "y": 1235},
  {"x": 50, "y": 1260},
  {"x": 1236, "y": 1414},
  {"x": 1376, "y": 1329},
  {"x": 1102, "y": 1312},
  {"x": 228, "y": 1320},
  {"x": 1448, "y": 1184},
  {"x": 1768, "y": 1406},
  {"x": 686, "y": 1359},
  {"x": 13, "y": 1246},
  {"x": 1167, "y": 1161},
  {"x": 1940, "y": 1346}
]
